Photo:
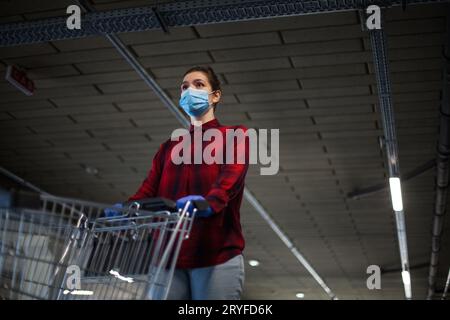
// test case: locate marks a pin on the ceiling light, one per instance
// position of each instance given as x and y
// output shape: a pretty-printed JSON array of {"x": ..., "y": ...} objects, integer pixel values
[
  {"x": 91, "y": 170},
  {"x": 120, "y": 277},
  {"x": 253, "y": 263},
  {"x": 407, "y": 284},
  {"x": 396, "y": 193},
  {"x": 79, "y": 292},
  {"x": 406, "y": 278},
  {"x": 300, "y": 295}
]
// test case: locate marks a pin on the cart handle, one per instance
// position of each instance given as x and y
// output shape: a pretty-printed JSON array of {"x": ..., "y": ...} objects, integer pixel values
[{"x": 162, "y": 204}]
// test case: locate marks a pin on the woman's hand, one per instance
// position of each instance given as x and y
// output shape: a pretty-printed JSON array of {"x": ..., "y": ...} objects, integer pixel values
[
  {"x": 110, "y": 212},
  {"x": 181, "y": 203}
]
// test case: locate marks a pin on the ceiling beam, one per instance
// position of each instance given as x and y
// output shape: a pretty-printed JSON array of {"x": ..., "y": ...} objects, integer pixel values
[
  {"x": 366, "y": 191},
  {"x": 176, "y": 14}
]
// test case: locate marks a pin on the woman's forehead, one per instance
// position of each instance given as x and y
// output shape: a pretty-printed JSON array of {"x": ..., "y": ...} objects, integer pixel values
[{"x": 196, "y": 75}]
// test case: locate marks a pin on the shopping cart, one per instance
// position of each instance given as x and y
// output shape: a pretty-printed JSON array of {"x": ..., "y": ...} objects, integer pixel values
[{"x": 60, "y": 248}]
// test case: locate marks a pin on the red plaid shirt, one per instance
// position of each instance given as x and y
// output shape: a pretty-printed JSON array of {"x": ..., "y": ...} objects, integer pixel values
[{"x": 218, "y": 238}]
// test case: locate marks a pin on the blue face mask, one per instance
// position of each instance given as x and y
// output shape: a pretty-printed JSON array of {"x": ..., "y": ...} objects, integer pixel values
[{"x": 194, "y": 101}]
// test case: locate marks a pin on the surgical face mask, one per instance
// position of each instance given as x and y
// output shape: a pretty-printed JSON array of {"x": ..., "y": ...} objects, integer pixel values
[{"x": 195, "y": 102}]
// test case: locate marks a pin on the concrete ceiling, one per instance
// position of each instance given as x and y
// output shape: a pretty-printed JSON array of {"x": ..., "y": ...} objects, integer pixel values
[{"x": 310, "y": 76}]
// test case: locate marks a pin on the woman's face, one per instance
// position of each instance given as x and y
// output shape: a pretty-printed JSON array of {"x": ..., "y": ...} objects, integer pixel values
[{"x": 199, "y": 80}]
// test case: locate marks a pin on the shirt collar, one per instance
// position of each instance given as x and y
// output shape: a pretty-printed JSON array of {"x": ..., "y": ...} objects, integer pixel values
[{"x": 214, "y": 123}]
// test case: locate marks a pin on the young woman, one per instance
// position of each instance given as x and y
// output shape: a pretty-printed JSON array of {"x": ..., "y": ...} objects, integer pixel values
[{"x": 210, "y": 263}]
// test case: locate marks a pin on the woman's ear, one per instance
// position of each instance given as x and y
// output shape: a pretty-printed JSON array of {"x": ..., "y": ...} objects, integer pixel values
[{"x": 216, "y": 95}]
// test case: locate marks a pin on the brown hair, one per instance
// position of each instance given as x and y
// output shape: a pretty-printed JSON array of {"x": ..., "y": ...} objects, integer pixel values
[{"x": 210, "y": 74}]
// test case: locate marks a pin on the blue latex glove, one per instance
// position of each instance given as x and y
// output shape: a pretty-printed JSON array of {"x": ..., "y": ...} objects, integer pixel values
[
  {"x": 110, "y": 213},
  {"x": 200, "y": 213}
]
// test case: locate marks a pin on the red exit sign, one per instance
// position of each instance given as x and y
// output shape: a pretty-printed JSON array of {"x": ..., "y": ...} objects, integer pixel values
[{"x": 19, "y": 79}]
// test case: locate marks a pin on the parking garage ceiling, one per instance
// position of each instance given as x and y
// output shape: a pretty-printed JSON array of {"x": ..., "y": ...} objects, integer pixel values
[{"x": 93, "y": 126}]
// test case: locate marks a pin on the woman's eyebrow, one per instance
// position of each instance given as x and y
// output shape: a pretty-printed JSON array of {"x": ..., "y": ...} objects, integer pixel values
[{"x": 195, "y": 80}]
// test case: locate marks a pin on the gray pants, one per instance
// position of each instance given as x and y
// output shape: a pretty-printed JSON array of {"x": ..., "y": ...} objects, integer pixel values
[{"x": 220, "y": 282}]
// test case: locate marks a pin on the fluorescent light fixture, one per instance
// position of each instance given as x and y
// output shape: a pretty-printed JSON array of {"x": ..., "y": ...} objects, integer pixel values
[
  {"x": 406, "y": 278},
  {"x": 408, "y": 293},
  {"x": 396, "y": 193},
  {"x": 79, "y": 292},
  {"x": 253, "y": 263},
  {"x": 407, "y": 283},
  {"x": 120, "y": 277},
  {"x": 300, "y": 295}
]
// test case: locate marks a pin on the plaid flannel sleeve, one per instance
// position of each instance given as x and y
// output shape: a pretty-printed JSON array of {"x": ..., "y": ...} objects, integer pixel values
[{"x": 231, "y": 177}]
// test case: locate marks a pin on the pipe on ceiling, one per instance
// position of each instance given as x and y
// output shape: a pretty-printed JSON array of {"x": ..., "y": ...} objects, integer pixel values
[
  {"x": 442, "y": 169},
  {"x": 378, "y": 42}
]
